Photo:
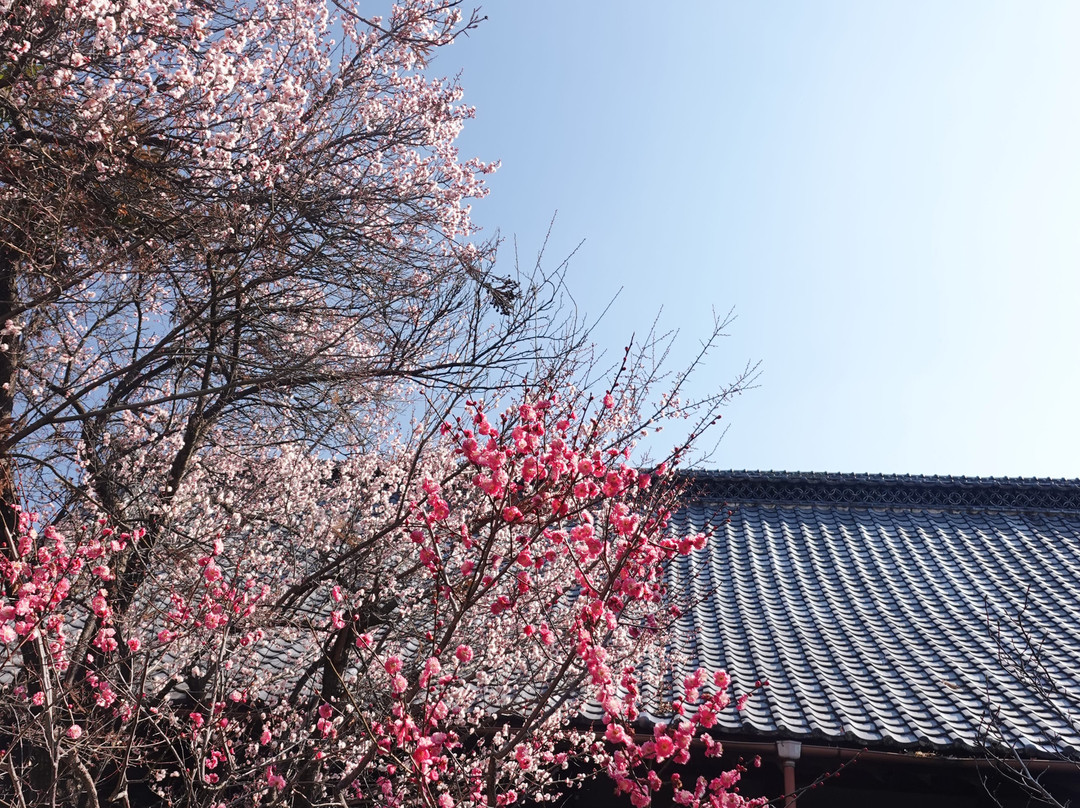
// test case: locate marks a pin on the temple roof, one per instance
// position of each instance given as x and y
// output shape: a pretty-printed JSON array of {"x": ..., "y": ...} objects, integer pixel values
[{"x": 888, "y": 611}]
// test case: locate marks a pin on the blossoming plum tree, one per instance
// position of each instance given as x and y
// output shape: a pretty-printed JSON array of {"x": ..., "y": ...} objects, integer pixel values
[
  {"x": 234, "y": 244},
  {"x": 420, "y": 628},
  {"x": 210, "y": 213}
]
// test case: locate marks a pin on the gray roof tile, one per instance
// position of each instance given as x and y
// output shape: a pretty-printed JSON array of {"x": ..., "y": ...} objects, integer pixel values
[{"x": 876, "y": 605}]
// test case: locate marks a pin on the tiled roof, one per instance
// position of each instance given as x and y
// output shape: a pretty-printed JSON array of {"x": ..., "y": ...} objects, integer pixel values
[{"x": 877, "y": 606}]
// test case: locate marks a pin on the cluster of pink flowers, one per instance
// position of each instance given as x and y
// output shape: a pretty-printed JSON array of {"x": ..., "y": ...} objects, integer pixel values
[
  {"x": 39, "y": 570},
  {"x": 548, "y": 553}
]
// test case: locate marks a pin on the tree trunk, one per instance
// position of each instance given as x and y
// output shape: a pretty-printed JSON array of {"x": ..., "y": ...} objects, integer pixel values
[{"x": 8, "y": 369}]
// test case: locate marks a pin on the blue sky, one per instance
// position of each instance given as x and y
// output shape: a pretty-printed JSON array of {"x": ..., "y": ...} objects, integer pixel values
[{"x": 887, "y": 193}]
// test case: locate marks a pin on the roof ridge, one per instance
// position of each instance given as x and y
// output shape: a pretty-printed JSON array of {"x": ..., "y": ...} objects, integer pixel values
[{"x": 887, "y": 490}]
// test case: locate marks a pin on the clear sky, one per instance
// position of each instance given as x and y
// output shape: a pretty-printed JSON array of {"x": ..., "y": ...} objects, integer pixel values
[{"x": 887, "y": 193}]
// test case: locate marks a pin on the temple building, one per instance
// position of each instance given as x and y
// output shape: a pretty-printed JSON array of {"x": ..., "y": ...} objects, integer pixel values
[{"x": 919, "y": 636}]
